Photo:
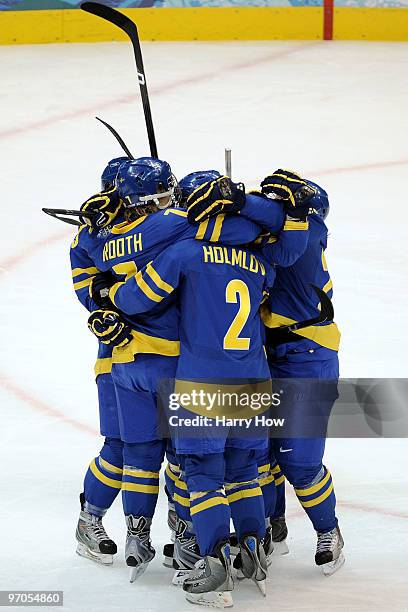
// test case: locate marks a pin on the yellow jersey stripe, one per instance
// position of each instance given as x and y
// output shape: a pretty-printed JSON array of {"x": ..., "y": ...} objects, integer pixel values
[
  {"x": 82, "y": 284},
  {"x": 324, "y": 262},
  {"x": 109, "y": 466},
  {"x": 142, "y": 343},
  {"x": 279, "y": 481},
  {"x": 219, "y": 220},
  {"x": 143, "y": 286},
  {"x": 125, "y": 226},
  {"x": 79, "y": 271},
  {"x": 328, "y": 286},
  {"x": 296, "y": 225},
  {"x": 209, "y": 503},
  {"x": 172, "y": 211},
  {"x": 140, "y": 488},
  {"x": 139, "y": 473},
  {"x": 156, "y": 278},
  {"x": 318, "y": 500},
  {"x": 183, "y": 501},
  {"x": 276, "y": 469},
  {"x": 202, "y": 228},
  {"x": 103, "y": 365},
  {"x": 233, "y": 497},
  {"x": 325, "y": 335},
  {"x": 110, "y": 482},
  {"x": 314, "y": 488}
]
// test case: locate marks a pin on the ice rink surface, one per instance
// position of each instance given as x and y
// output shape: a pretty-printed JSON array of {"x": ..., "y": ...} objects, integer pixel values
[{"x": 335, "y": 111}]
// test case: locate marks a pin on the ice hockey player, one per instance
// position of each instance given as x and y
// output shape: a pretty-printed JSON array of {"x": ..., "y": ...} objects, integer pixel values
[
  {"x": 222, "y": 288},
  {"x": 103, "y": 478},
  {"x": 310, "y": 353}
]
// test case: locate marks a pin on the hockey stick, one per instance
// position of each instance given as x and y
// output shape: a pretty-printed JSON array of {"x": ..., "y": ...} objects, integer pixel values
[
  {"x": 228, "y": 162},
  {"x": 279, "y": 335},
  {"x": 130, "y": 28},
  {"x": 59, "y": 213},
  {"x": 117, "y": 136}
]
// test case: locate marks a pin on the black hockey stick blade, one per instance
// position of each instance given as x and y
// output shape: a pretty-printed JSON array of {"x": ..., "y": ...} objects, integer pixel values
[
  {"x": 326, "y": 312},
  {"x": 117, "y": 136},
  {"x": 129, "y": 27},
  {"x": 283, "y": 334},
  {"x": 61, "y": 215}
]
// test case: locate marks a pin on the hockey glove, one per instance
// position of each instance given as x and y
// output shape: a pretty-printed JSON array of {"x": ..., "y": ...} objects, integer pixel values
[
  {"x": 110, "y": 328},
  {"x": 294, "y": 191},
  {"x": 215, "y": 197},
  {"x": 101, "y": 209},
  {"x": 99, "y": 289}
]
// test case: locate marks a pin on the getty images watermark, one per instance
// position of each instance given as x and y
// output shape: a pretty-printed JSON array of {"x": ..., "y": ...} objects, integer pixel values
[{"x": 219, "y": 407}]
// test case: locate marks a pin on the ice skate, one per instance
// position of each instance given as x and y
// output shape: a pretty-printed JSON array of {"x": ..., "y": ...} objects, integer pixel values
[
  {"x": 93, "y": 541},
  {"x": 139, "y": 551},
  {"x": 186, "y": 553},
  {"x": 329, "y": 553},
  {"x": 251, "y": 562},
  {"x": 211, "y": 583},
  {"x": 279, "y": 535}
]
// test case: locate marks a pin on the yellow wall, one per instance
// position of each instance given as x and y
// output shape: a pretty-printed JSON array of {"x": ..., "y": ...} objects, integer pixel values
[
  {"x": 164, "y": 24},
  {"x": 370, "y": 24},
  {"x": 246, "y": 23}
]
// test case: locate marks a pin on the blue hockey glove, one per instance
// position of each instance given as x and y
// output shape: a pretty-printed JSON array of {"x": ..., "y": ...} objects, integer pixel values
[
  {"x": 99, "y": 289},
  {"x": 294, "y": 191},
  {"x": 110, "y": 328},
  {"x": 101, "y": 209},
  {"x": 214, "y": 197}
]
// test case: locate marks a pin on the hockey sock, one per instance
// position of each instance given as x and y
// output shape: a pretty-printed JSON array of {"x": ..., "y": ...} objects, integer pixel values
[
  {"x": 171, "y": 475},
  {"x": 140, "y": 486},
  {"x": 280, "y": 500},
  {"x": 103, "y": 479},
  {"x": 210, "y": 514},
  {"x": 247, "y": 508},
  {"x": 267, "y": 483},
  {"x": 182, "y": 502},
  {"x": 319, "y": 501}
]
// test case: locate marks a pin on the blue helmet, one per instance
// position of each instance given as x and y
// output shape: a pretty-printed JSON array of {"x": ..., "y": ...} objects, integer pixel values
[
  {"x": 146, "y": 181},
  {"x": 320, "y": 201},
  {"x": 110, "y": 172},
  {"x": 193, "y": 180}
]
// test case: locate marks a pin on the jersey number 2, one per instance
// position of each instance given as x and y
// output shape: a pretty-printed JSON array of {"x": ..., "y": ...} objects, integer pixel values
[{"x": 237, "y": 289}]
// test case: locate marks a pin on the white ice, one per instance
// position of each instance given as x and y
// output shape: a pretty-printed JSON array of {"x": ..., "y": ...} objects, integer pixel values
[{"x": 335, "y": 111}]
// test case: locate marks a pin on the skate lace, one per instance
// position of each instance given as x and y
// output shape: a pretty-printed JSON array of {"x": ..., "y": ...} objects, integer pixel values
[
  {"x": 99, "y": 532},
  {"x": 325, "y": 541}
]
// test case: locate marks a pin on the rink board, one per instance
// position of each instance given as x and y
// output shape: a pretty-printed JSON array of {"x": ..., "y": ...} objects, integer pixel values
[{"x": 204, "y": 23}]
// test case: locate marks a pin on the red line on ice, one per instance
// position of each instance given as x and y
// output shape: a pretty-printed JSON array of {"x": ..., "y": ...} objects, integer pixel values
[{"x": 126, "y": 99}]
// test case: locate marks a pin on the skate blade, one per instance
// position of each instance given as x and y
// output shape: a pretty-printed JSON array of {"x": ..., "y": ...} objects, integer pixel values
[
  {"x": 136, "y": 572},
  {"x": 222, "y": 599},
  {"x": 83, "y": 551},
  {"x": 180, "y": 576},
  {"x": 280, "y": 548},
  {"x": 330, "y": 568},
  {"x": 261, "y": 584}
]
